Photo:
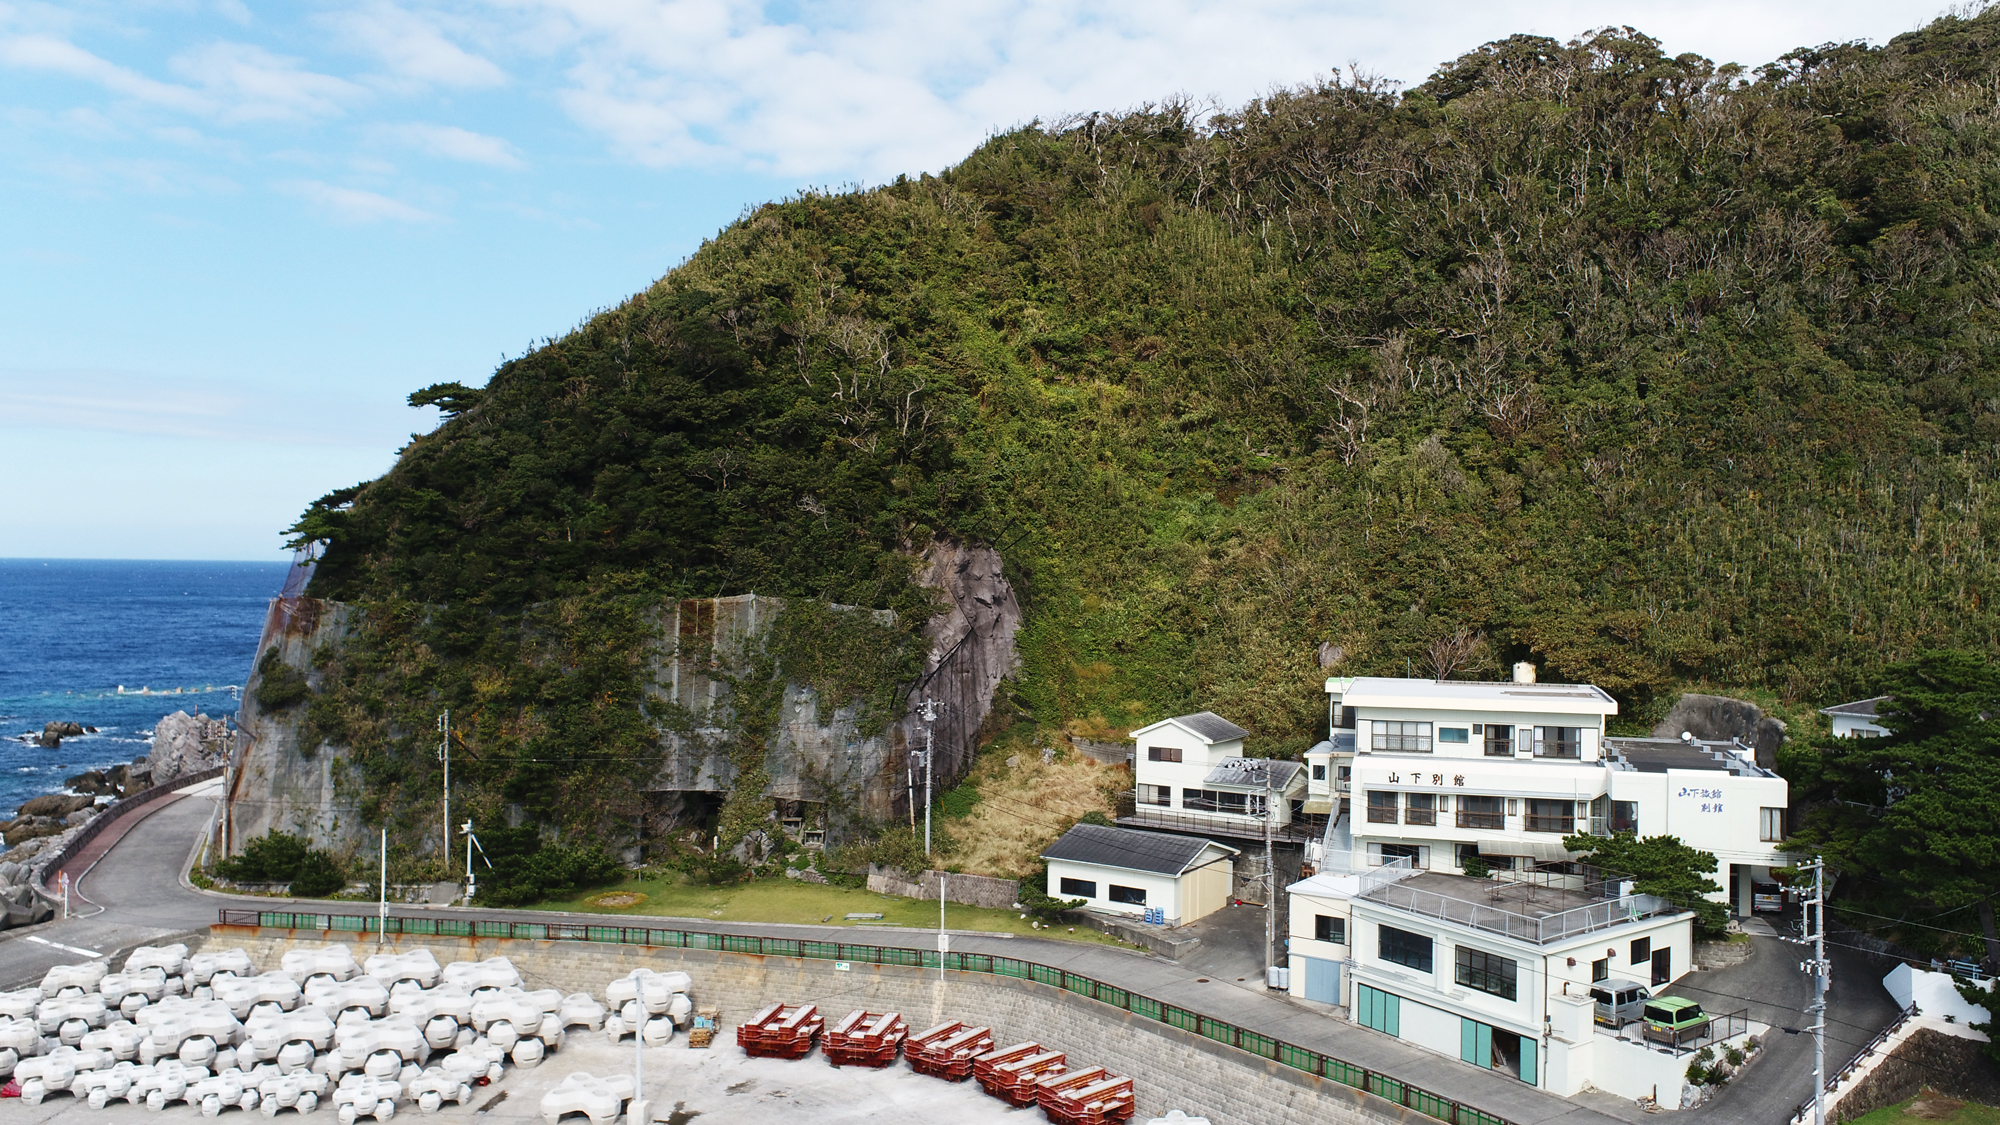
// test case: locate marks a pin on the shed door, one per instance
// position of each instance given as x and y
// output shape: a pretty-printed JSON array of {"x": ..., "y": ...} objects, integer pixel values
[
  {"x": 1322, "y": 980},
  {"x": 1475, "y": 1042},
  {"x": 1380, "y": 1010},
  {"x": 1663, "y": 965}
]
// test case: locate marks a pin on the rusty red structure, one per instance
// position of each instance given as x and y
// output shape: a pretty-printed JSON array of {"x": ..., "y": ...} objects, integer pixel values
[
  {"x": 1096, "y": 1100},
  {"x": 1014, "y": 1082},
  {"x": 950, "y": 1056},
  {"x": 780, "y": 1031},
  {"x": 864, "y": 1038}
]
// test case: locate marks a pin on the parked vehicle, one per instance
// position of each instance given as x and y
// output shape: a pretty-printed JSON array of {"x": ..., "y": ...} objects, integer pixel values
[
  {"x": 1673, "y": 1019},
  {"x": 1619, "y": 1002}
]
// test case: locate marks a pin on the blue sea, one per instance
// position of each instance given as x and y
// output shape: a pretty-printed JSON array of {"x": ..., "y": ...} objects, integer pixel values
[{"x": 175, "y": 636}]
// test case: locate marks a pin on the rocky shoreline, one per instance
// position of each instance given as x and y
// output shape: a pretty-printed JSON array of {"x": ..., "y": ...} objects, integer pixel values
[{"x": 183, "y": 744}]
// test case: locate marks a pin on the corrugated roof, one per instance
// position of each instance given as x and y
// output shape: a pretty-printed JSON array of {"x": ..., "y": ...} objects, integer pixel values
[
  {"x": 1158, "y": 852},
  {"x": 1250, "y": 771},
  {"x": 1859, "y": 709},
  {"x": 1211, "y": 726}
]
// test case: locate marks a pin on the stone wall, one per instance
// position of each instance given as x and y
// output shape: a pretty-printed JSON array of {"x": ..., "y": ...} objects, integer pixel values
[
  {"x": 1925, "y": 1059},
  {"x": 972, "y": 890},
  {"x": 1170, "y": 1068}
]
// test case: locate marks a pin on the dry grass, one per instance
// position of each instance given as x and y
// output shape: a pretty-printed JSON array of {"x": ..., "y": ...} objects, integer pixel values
[{"x": 1026, "y": 804}]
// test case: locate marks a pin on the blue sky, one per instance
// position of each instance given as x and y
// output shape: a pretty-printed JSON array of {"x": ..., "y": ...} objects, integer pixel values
[{"x": 237, "y": 235}]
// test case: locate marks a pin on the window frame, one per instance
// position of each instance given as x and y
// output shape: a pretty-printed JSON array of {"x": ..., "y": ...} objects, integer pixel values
[
  {"x": 1384, "y": 812},
  {"x": 1112, "y": 895},
  {"x": 1487, "y": 972},
  {"x": 1642, "y": 949},
  {"x": 1504, "y": 741},
  {"x": 1406, "y": 946},
  {"x": 1157, "y": 753},
  {"x": 1064, "y": 884},
  {"x": 1600, "y": 970},
  {"x": 1330, "y": 928},
  {"x": 1494, "y": 817},
  {"x": 1464, "y": 735},
  {"x": 1563, "y": 821},
  {"x": 1766, "y": 817},
  {"x": 1557, "y": 743},
  {"x": 1162, "y": 796},
  {"x": 1397, "y": 736},
  {"x": 1414, "y": 813}
]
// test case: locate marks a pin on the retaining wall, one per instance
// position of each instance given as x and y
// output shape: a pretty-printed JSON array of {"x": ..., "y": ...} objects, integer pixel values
[
  {"x": 972, "y": 890},
  {"x": 1170, "y": 1068}
]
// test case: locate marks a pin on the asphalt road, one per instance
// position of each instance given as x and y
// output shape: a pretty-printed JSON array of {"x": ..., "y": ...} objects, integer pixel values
[
  {"x": 135, "y": 896},
  {"x": 132, "y": 897}
]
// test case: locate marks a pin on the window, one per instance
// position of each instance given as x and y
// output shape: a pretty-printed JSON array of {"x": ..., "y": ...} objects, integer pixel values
[
  {"x": 1079, "y": 888},
  {"x": 1453, "y": 734},
  {"x": 1382, "y": 806},
  {"x": 1326, "y": 927},
  {"x": 1401, "y": 947},
  {"x": 1421, "y": 808},
  {"x": 1663, "y": 966},
  {"x": 1499, "y": 741},
  {"x": 1600, "y": 969},
  {"x": 1558, "y": 742},
  {"x": 1487, "y": 972},
  {"x": 1625, "y": 816},
  {"x": 1412, "y": 852},
  {"x": 1163, "y": 753},
  {"x": 1771, "y": 824},
  {"x": 1161, "y": 795},
  {"x": 1642, "y": 950},
  {"x": 1319, "y": 773},
  {"x": 1551, "y": 816},
  {"x": 1218, "y": 801},
  {"x": 1131, "y": 896},
  {"x": 1343, "y": 718},
  {"x": 1402, "y": 738},
  {"x": 1480, "y": 812}
]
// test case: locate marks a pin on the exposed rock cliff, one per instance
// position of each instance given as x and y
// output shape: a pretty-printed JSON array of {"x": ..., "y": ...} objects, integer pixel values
[
  {"x": 184, "y": 744},
  {"x": 278, "y": 783}
]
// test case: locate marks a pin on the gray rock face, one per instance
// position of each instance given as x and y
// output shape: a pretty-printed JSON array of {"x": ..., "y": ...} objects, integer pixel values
[
  {"x": 184, "y": 744},
  {"x": 278, "y": 783},
  {"x": 1718, "y": 718}
]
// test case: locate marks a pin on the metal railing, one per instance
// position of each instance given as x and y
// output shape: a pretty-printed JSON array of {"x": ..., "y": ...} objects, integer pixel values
[
  {"x": 1718, "y": 1029},
  {"x": 1256, "y": 1043},
  {"x": 1563, "y": 824},
  {"x": 1804, "y": 1112},
  {"x": 1420, "y": 816},
  {"x": 110, "y": 814},
  {"x": 1381, "y": 814},
  {"x": 1213, "y": 824},
  {"x": 1481, "y": 819},
  {"x": 1540, "y": 929}
]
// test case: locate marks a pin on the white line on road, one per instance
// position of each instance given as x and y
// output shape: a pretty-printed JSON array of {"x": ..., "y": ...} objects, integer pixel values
[{"x": 65, "y": 948}]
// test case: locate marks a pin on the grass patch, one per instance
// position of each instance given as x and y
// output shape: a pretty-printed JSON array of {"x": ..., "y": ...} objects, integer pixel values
[
  {"x": 1023, "y": 803},
  {"x": 788, "y": 900},
  {"x": 1931, "y": 1106}
]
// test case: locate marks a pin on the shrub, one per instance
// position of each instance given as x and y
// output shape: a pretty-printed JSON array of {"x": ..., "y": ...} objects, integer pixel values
[
  {"x": 279, "y": 685},
  {"x": 274, "y": 857},
  {"x": 1475, "y": 868},
  {"x": 319, "y": 875}
]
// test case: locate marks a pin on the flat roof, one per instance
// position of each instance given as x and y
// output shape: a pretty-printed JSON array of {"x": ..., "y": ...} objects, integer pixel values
[
  {"x": 1527, "y": 911},
  {"x": 1658, "y": 755},
  {"x": 1470, "y": 695},
  {"x": 1859, "y": 709}
]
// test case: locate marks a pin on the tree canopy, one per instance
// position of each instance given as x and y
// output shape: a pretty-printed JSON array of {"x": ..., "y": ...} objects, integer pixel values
[{"x": 1663, "y": 866}]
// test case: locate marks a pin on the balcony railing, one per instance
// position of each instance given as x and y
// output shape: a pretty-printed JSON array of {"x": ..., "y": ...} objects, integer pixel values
[
  {"x": 1380, "y": 815},
  {"x": 1420, "y": 816},
  {"x": 1538, "y": 928},
  {"x": 1563, "y": 824},
  {"x": 1481, "y": 819},
  {"x": 1554, "y": 749}
]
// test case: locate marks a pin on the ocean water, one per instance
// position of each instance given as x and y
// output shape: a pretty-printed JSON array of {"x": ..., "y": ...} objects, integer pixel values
[{"x": 175, "y": 636}]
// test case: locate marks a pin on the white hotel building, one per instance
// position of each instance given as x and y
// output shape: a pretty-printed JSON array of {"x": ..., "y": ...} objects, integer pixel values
[{"x": 1440, "y": 772}]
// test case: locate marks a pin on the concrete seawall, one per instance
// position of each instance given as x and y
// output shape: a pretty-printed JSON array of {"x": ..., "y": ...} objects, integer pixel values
[{"x": 1170, "y": 1068}]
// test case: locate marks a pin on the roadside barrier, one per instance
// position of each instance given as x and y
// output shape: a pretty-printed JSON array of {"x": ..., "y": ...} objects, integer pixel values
[
  {"x": 103, "y": 820},
  {"x": 1255, "y": 1043}
]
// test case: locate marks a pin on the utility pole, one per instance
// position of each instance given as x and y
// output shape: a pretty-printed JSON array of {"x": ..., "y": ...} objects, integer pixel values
[
  {"x": 382, "y": 915},
  {"x": 929, "y": 709},
  {"x": 1821, "y": 969},
  {"x": 444, "y": 755},
  {"x": 1270, "y": 882}
]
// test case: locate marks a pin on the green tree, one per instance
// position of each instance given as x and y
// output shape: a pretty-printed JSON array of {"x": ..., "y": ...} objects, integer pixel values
[
  {"x": 1663, "y": 866},
  {"x": 1910, "y": 820}
]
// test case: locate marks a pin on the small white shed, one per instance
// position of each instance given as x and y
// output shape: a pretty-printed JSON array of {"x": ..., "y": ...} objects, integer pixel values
[
  {"x": 1859, "y": 719},
  {"x": 1127, "y": 871}
]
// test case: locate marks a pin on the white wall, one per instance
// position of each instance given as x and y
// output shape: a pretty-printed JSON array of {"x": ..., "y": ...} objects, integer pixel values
[
  {"x": 1711, "y": 810},
  {"x": 1162, "y": 891},
  {"x": 1853, "y": 726},
  {"x": 1934, "y": 994}
]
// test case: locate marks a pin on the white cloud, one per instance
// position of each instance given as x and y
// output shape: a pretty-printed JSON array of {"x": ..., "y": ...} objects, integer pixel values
[
  {"x": 874, "y": 87},
  {"x": 353, "y": 205},
  {"x": 49, "y": 54},
  {"x": 415, "y": 48},
  {"x": 252, "y": 84},
  {"x": 453, "y": 143}
]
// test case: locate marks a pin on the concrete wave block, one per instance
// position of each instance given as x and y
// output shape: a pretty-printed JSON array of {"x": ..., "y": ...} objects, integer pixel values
[
  {"x": 420, "y": 966},
  {"x": 366, "y": 1096},
  {"x": 171, "y": 960},
  {"x": 165, "y": 1082},
  {"x": 580, "y": 1009},
  {"x": 334, "y": 997},
  {"x": 649, "y": 987},
  {"x": 21, "y": 1003},
  {"x": 204, "y": 966},
  {"x": 476, "y": 1060},
  {"x": 241, "y": 994},
  {"x": 355, "y": 1044},
  {"x": 494, "y": 972},
  {"x": 335, "y": 961},
  {"x": 148, "y": 983},
  {"x": 172, "y": 1023},
  {"x": 79, "y": 978},
  {"x": 267, "y": 1033},
  {"x": 603, "y": 1099},
  {"x": 299, "y": 1089},
  {"x": 227, "y": 1090},
  {"x": 69, "y": 1017},
  {"x": 122, "y": 1038},
  {"x": 56, "y": 1071},
  {"x": 434, "y": 1087},
  {"x": 112, "y": 1083}
]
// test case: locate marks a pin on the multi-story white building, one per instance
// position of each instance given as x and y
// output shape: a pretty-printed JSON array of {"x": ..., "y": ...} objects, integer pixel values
[
  {"x": 1496, "y": 972},
  {"x": 1442, "y": 773},
  {"x": 1190, "y": 775}
]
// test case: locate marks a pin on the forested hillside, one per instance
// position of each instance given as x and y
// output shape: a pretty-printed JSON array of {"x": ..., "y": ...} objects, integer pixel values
[{"x": 1654, "y": 372}]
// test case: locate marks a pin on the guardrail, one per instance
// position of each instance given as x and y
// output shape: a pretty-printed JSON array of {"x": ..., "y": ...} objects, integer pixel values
[
  {"x": 1255, "y": 1043},
  {"x": 111, "y": 813},
  {"x": 1834, "y": 1080}
]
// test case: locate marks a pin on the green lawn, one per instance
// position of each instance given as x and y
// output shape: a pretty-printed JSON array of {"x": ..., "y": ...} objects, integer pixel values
[
  {"x": 788, "y": 900},
  {"x": 1970, "y": 1113}
]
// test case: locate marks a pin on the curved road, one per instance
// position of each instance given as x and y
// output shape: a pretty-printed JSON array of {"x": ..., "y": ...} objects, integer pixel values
[{"x": 135, "y": 897}]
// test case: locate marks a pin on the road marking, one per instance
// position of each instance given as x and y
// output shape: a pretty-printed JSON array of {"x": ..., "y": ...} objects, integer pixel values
[{"x": 65, "y": 948}]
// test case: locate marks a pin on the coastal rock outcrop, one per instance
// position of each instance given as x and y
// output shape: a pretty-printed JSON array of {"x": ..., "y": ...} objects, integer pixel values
[{"x": 184, "y": 744}]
